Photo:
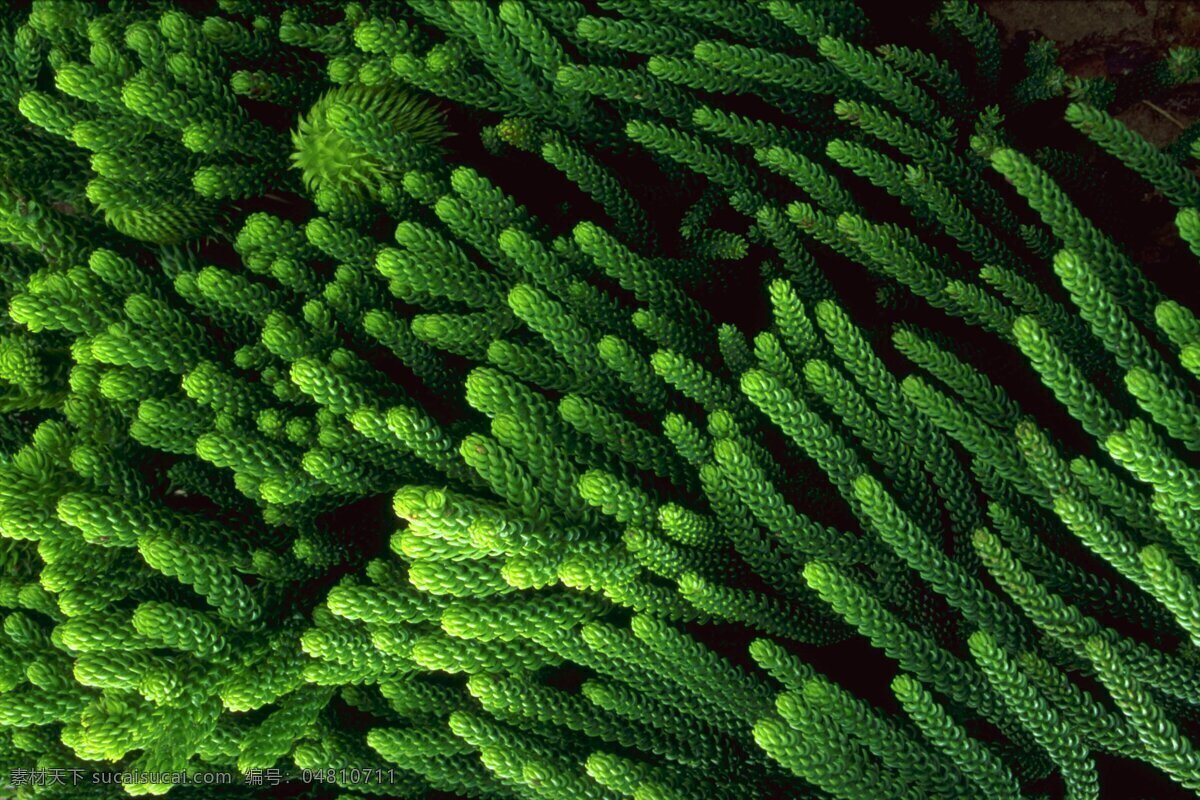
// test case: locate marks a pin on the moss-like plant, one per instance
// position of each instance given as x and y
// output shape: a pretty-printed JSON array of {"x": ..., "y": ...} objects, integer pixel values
[
  {"x": 329, "y": 150},
  {"x": 733, "y": 370}
]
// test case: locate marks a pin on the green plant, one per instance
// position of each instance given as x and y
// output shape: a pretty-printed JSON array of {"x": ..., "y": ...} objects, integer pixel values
[{"x": 400, "y": 466}]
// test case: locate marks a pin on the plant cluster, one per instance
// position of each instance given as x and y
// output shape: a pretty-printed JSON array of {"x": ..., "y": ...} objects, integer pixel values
[{"x": 329, "y": 439}]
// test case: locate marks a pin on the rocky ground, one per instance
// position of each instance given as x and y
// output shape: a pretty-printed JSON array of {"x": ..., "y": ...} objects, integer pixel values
[{"x": 1111, "y": 37}]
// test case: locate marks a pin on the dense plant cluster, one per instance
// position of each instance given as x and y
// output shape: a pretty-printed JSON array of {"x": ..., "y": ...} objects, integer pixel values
[{"x": 547, "y": 399}]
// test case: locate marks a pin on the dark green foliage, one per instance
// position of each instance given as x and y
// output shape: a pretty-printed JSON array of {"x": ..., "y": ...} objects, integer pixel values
[{"x": 573, "y": 399}]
